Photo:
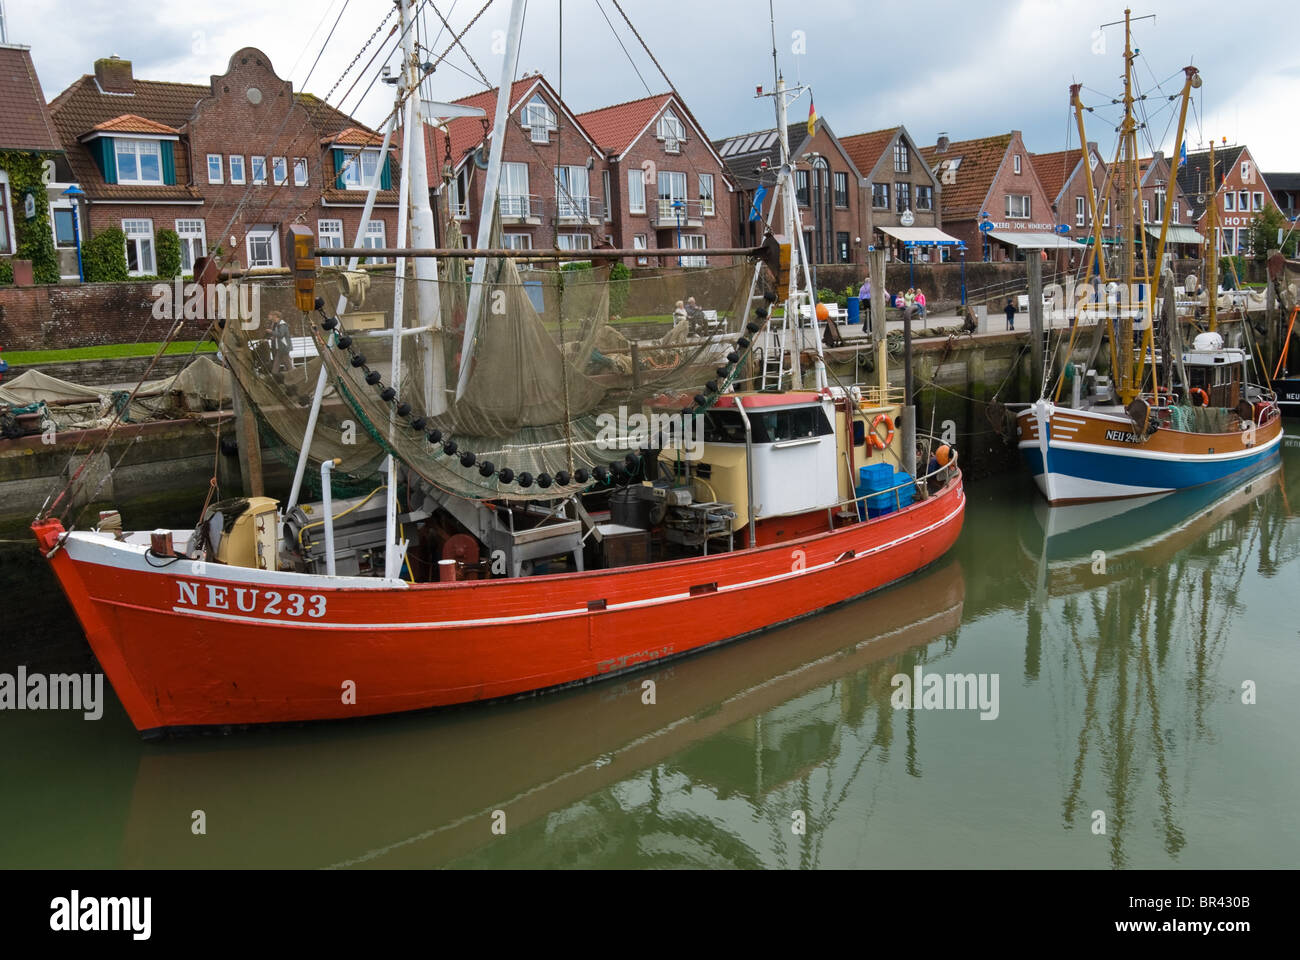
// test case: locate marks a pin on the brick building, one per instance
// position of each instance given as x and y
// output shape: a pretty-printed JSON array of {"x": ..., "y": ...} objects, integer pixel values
[
  {"x": 1285, "y": 188},
  {"x": 828, "y": 189},
  {"x": 896, "y": 181},
  {"x": 227, "y": 166},
  {"x": 991, "y": 180},
  {"x": 633, "y": 175},
  {"x": 26, "y": 133},
  {"x": 668, "y": 186},
  {"x": 1241, "y": 188},
  {"x": 1181, "y": 237}
]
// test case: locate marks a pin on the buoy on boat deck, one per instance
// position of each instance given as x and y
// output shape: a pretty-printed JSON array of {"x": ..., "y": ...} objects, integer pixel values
[{"x": 943, "y": 454}]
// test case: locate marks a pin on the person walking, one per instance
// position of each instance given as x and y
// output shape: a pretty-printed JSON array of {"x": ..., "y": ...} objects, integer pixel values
[
  {"x": 864, "y": 295},
  {"x": 1010, "y": 311}
]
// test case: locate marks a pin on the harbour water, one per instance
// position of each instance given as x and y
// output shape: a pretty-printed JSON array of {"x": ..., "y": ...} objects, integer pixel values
[{"x": 1138, "y": 664}]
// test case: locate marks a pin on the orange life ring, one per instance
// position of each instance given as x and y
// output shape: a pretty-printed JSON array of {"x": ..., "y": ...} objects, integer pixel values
[
  {"x": 1198, "y": 392},
  {"x": 876, "y": 440}
]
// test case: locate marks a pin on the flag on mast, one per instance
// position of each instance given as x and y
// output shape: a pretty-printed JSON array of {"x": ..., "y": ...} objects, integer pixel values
[
  {"x": 812, "y": 116},
  {"x": 1182, "y": 155}
]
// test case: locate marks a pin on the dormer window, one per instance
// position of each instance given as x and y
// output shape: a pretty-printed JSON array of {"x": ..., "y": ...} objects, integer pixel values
[
  {"x": 538, "y": 119},
  {"x": 671, "y": 131},
  {"x": 358, "y": 172},
  {"x": 138, "y": 161}
]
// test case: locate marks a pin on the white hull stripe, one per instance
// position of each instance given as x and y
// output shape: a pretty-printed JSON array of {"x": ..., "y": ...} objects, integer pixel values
[{"x": 548, "y": 615}]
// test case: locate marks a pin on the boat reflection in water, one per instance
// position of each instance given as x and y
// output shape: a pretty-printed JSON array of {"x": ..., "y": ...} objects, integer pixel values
[
  {"x": 1132, "y": 609},
  {"x": 423, "y": 790}
]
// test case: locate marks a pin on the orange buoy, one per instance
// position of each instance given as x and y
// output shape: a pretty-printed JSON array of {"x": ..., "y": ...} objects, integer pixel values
[
  {"x": 942, "y": 455},
  {"x": 876, "y": 440},
  {"x": 1198, "y": 392},
  {"x": 823, "y": 313}
]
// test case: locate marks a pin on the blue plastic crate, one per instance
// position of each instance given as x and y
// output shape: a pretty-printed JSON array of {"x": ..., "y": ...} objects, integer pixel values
[{"x": 876, "y": 476}]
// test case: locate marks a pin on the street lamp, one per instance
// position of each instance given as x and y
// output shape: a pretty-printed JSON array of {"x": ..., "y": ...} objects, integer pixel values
[
  {"x": 74, "y": 194},
  {"x": 961, "y": 251},
  {"x": 678, "y": 205}
]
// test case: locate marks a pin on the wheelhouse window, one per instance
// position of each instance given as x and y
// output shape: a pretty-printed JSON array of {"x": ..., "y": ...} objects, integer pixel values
[
  {"x": 140, "y": 260},
  {"x": 193, "y": 238},
  {"x": 671, "y": 131},
  {"x": 138, "y": 161},
  {"x": 771, "y": 426},
  {"x": 214, "y": 168},
  {"x": 329, "y": 233},
  {"x": 236, "y": 168}
]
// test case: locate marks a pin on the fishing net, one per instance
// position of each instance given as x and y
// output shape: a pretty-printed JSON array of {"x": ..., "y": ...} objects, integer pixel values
[{"x": 560, "y": 359}]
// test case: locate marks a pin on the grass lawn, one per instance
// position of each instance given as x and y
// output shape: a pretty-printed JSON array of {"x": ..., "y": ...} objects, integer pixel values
[{"x": 111, "y": 351}]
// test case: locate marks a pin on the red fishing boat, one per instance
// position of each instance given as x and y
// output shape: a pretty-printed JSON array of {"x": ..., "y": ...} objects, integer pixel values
[{"x": 558, "y": 504}]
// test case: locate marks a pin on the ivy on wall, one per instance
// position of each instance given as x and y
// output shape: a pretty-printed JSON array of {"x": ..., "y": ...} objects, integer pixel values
[
  {"x": 103, "y": 257},
  {"x": 168, "y": 245},
  {"x": 35, "y": 238}
]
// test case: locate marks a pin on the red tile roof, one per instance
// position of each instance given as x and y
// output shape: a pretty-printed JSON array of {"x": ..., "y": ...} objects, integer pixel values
[
  {"x": 354, "y": 137},
  {"x": 865, "y": 149},
  {"x": 1054, "y": 169},
  {"x": 25, "y": 122},
  {"x": 466, "y": 133},
  {"x": 130, "y": 123},
  {"x": 980, "y": 160},
  {"x": 615, "y": 127}
]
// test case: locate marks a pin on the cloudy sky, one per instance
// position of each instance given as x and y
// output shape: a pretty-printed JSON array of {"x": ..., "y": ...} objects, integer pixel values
[{"x": 969, "y": 68}]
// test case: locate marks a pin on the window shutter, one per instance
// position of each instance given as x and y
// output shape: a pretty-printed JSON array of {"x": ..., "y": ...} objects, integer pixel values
[
  {"x": 168, "y": 162},
  {"x": 106, "y": 157},
  {"x": 386, "y": 175},
  {"x": 339, "y": 161}
]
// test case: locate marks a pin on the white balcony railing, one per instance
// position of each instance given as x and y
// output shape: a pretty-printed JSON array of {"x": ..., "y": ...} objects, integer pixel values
[
  {"x": 569, "y": 207},
  {"x": 667, "y": 212},
  {"x": 519, "y": 206}
]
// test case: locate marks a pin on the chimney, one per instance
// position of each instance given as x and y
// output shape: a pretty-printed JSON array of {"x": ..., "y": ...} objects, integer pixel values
[
  {"x": 942, "y": 145},
  {"x": 114, "y": 75}
]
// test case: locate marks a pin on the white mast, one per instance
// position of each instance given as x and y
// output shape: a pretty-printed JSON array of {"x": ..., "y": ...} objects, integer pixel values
[{"x": 490, "y": 185}]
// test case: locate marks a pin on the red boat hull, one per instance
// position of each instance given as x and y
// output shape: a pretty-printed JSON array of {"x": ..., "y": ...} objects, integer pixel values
[{"x": 191, "y": 646}]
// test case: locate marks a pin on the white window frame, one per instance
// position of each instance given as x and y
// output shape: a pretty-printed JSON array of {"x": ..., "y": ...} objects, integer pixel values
[
  {"x": 639, "y": 242},
  {"x": 1243, "y": 201},
  {"x": 671, "y": 132},
  {"x": 605, "y": 185},
  {"x": 1106, "y": 219},
  {"x": 514, "y": 199},
  {"x": 573, "y": 241},
  {"x": 916, "y": 197},
  {"x": 373, "y": 238},
  {"x": 138, "y": 149},
  {"x": 279, "y": 171},
  {"x": 193, "y": 234},
  {"x": 253, "y": 163},
  {"x": 665, "y": 206},
  {"x": 902, "y": 159},
  {"x": 1080, "y": 206},
  {"x": 1161, "y": 198},
  {"x": 1245, "y": 171},
  {"x": 694, "y": 241},
  {"x": 517, "y": 241},
  {"x": 1229, "y": 201},
  {"x": 460, "y": 189},
  {"x": 329, "y": 233},
  {"x": 253, "y": 238},
  {"x": 300, "y": 165},
  {"x": 569, "y": 203},
  {"x": 60, "y": 204},
  {"x": 1024, "y": 205},
  {"x": 538, "y": 118},
  {"x": 218, "y": 160},
  {"x": 242, "y": 169},
  {"x": 1257, "y": 202},
  {"x": 636, "y": 191},
  {"x": 1016, "y": 162},
  {"x": 1174, "y": 215},
  {"x": 139, "y": 232},
  {"x": 1146, "y": 211},
  {"x": 880, "y": 191},
  {"x": 9, "y": 244},
  {"x": 707, "y": 205}
]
